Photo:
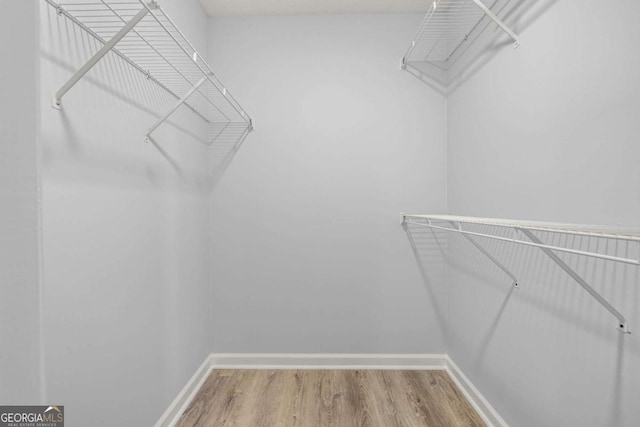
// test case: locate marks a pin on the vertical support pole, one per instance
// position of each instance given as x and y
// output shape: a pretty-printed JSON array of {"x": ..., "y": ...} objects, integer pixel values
[
  {"x": 57, "y": 98},
  {"x": 494, "y": 18},
  {"x": 622, "y": 322},
  {"x": 175, "y": 107},
  {"x": 487, "y": 254}
]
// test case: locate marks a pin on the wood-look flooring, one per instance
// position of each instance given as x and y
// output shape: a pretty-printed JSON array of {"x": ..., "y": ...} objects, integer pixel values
[{"x": 340, "y": 398}]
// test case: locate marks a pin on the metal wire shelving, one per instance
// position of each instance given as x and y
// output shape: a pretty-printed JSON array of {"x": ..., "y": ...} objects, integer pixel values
[
  {"x": 524, "y": 233},
  {"x": 447, "y": 28},
  {"x": 143, "y": 35}
]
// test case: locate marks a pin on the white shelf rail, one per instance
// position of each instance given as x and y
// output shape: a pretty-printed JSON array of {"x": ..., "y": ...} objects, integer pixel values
[
  {"x": 142, "y": 34},
  {"x": 457, "y": 224},
  {"x": 447, "y": 27}
]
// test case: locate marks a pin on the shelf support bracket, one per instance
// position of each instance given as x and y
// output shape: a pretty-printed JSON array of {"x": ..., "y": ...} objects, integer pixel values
[
  {"x": 498, "y": 21},
  {"x": 57, "y": 98},
  {"x": 458, "y": 228},
  {"x": 622, "y": 322},
  {"x": 486, "y": 253},
  {"x": 175, "y": 107}
]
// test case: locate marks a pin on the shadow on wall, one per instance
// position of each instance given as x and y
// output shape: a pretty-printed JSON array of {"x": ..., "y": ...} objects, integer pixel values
[
  {"x": 480, "y": 45},
  {"x": 532, "y": 266},
  {"x": 549, "y": 303},
  {"x": 429, "y": 249}
]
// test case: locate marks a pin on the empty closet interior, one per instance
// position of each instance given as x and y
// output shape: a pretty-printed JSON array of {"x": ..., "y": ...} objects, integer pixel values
[{"x": 197, "y": 189}]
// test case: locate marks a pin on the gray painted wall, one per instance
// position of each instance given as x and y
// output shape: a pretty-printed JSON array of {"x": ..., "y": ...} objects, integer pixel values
[
  {"x": 126, "y": 279},
  {"x": 308, "y": 252},
  {"x": 549, "y": 132},
  {"x": 19, "y": 248}
]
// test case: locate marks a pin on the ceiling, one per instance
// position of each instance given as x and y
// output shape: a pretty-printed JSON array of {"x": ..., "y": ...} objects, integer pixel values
[{"x": 308, "y": 7}]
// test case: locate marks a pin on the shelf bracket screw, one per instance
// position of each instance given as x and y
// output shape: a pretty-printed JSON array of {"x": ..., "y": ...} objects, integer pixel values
[{"x": 622, "y": 328}]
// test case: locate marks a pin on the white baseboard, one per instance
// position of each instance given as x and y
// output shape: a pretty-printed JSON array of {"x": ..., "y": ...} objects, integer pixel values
[
  {"x": 488, "y": 413},
  {"x": 331, "y": 361},
  {"x": 186, "y": 395}
]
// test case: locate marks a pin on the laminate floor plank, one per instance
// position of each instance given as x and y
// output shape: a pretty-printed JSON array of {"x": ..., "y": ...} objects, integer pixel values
[
  {"x": 424, "y": 389},
  {"x": 311, "y": 400},
  {"x": 347, "y": 404},
  {"x": 381, "y": 409},
  {"x": 206, "y": 401},
  {"x": 332, "y": 398},
  {"x": 262, "y": 399},
  {"x": 289, "y": 408},
  {"x": 409, "y": 403}
]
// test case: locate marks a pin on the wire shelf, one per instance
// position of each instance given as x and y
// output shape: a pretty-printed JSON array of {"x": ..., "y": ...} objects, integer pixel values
[
  {"x": 156, "y": 47},
  {"x": 446, "y": 28},
  {"x": 525, "y": 234},
  {"x": 601, "y": 231}
]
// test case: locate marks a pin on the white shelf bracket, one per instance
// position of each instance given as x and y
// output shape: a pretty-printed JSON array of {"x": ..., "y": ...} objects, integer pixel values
[
  {"x": 180, "y": 102},
  {"x": 57, "y": 98},
  {"x": 498, "y": 21},
  {"x": 486, "y": 253},
  {"x": 622, "y": 322}
]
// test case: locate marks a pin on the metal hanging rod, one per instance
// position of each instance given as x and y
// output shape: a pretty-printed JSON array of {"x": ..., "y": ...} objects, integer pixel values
[
  {"x": 447, "y": 26},
  {"x": 142, "y": 34},
  {"x": 527, "y": 228}
]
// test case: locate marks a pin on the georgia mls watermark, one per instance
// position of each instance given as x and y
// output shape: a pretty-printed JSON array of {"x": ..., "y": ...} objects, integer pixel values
[{"x": 31, "y": 416}]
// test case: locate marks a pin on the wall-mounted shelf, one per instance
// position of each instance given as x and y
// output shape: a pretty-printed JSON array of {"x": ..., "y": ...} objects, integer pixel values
[
  {"x": 524, "y": 234},
  {"x": 144, "y": 36},
  {"x": 446, "y": 30}
]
